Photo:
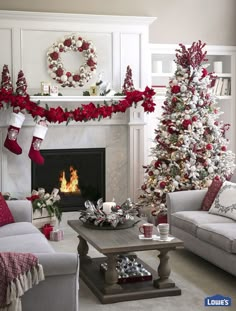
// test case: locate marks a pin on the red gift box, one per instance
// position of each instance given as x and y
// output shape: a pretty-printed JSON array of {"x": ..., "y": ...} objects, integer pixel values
[{"x": 46, "y": 230}]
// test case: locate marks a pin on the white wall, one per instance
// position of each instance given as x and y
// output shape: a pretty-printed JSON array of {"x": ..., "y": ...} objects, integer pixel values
[{"x": 179, "y": 21}]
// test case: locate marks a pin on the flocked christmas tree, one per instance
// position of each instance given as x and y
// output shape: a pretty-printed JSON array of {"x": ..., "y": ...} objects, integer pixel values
[
  {"x": 21, "y": 85},
  {"x": 128, "y": 85},
  {"x": 6, "y": 83},
  {"x": 191, "y": 148}
]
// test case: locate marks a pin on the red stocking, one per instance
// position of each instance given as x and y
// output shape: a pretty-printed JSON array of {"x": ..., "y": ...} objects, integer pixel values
[
  {"x": 38, "y": 136},
  {"x": 16, "y": 122}
]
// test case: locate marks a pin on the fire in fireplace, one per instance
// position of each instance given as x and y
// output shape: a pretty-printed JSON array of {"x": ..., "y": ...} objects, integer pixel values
[
  {"x": 79, "y": 174},
  {"x": 72, "y": 185}
]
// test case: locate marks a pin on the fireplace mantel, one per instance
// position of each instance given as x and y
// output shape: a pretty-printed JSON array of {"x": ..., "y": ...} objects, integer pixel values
[{"x": 69, "y": 99}]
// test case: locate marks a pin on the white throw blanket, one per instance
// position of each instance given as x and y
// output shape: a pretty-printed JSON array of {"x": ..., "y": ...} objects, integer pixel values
[{"x": 18, "y": 273}]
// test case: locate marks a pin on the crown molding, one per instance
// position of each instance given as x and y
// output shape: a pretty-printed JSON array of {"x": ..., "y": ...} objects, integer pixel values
[{"x": 82, "y": 18}]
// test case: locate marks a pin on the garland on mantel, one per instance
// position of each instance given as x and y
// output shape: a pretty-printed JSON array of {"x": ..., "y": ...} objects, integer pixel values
[{"x": 84, "y": 112}]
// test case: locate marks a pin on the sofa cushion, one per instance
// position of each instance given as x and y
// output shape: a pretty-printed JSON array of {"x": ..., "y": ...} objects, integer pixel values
[
  {"x": 190, "y": 220},
  {"x": 221, "y": 235},
  {"x": 5, "y": 213},
  {"x": 17, "y": 228},
  {"x": 32, "y": 242},
  {"x": 211, "y": 194},
  {"x": 225, "y": 201}
]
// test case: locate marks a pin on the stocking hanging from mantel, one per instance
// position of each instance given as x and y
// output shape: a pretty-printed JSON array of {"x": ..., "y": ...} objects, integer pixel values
[
  {"x": 16, "y": 121},
  {"x": 17, "y": 117},
  {"x": 39, "y": 134}
]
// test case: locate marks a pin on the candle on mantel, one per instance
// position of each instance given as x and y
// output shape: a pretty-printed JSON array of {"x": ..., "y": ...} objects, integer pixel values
[{"x": 107, "y": 206}]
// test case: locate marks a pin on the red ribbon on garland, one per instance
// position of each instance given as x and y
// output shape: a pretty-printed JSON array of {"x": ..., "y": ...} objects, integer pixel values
[{"x": 84, "y": 112}]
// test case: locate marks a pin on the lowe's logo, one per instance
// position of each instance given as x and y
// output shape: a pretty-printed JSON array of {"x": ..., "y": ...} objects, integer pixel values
[{"x": 217, "y": 301}]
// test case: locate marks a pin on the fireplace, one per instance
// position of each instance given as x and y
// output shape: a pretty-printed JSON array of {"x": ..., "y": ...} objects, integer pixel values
[{"x": 79, "y": 174}]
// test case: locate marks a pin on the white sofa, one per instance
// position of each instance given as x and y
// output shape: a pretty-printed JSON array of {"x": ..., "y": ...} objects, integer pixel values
[
  {"x": 59, "y": 290},
  {"x": 210, "y": 236}
]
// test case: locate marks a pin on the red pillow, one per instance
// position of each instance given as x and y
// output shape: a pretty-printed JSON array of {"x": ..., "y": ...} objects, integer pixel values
[
  {"x": 5, "y": 214},
  {"x": 211, "y": 194}
]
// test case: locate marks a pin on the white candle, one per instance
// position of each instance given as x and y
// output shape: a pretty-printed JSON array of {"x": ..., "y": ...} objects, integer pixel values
[{"x": 107, "y": 206}]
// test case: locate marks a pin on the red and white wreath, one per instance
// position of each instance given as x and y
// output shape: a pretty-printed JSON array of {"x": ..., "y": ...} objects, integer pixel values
[{"x": 58, "y": 72}]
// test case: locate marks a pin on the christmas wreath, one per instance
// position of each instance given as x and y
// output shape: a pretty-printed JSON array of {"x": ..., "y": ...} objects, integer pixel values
[{"x": 58, "y": 72}]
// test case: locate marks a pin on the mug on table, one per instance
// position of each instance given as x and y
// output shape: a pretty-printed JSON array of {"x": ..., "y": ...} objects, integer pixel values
[
  {"x": 147, "y": 230},
  {"x": 163, "y": 229}
]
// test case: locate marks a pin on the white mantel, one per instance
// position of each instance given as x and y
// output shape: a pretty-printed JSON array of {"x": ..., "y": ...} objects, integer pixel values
[{"x": 120, "y": 41}]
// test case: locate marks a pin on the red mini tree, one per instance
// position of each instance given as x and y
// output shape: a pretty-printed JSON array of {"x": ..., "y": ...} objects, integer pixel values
[
  {"x": 21, "y": 85},
  {"x": 6, "y": 83},
  {"x": 128, "y": 85}
]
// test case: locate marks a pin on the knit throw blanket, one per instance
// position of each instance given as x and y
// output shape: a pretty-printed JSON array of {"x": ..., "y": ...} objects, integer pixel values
[{"x": 18, "y": 273}]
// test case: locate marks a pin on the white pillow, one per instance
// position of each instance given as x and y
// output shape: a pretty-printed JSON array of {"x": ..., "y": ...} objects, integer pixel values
[{"x": 225, "y": 201}]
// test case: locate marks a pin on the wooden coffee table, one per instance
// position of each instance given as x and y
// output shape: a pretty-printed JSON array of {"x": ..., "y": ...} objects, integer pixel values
[{"x": 116, "y": 242}]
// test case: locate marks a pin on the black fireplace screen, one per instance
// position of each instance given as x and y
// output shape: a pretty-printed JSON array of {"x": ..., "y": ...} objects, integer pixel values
[{"x": 79, "y": 174}]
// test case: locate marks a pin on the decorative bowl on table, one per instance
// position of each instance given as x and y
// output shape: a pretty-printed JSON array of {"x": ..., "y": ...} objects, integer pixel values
[{"x": 109, "y": 215}]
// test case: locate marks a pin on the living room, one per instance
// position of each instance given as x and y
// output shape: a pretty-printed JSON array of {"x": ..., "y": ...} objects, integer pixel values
[{"x": 126, "y": 137}]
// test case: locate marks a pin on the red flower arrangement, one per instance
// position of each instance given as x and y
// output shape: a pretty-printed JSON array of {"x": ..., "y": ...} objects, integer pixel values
[{"x": 84, "y": 112}]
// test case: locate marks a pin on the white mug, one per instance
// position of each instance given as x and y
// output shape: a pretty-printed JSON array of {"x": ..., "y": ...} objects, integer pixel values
[{"x": 163, "y": 230}]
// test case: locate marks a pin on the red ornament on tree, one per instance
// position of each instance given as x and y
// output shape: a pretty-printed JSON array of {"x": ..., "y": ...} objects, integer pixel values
[{"x": 209, "y": 147}]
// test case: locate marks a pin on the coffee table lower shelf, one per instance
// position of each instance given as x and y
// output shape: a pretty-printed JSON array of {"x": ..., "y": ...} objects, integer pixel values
[{"x": 94, "y": 278}]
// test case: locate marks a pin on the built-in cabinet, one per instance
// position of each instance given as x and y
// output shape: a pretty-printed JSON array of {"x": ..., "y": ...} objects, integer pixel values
[{"x": 221, "y": 60}]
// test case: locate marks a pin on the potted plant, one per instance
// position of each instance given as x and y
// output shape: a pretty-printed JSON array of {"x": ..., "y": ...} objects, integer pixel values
[{"x": 45, "y": 207}]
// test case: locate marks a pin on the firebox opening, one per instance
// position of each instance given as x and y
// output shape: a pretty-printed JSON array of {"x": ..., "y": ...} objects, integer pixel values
[{"x": 79, "y": 174}]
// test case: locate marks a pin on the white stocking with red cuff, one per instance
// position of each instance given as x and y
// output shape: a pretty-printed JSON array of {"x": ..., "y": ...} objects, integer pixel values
[
  {"x": 38, "y": 136},
  {"x": 15, "y": 124}
]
